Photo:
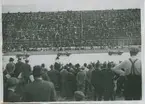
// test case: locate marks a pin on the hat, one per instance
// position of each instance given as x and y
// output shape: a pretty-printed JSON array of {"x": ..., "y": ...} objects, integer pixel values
[
  {"x": 12, "y": 81},
  {"x": 11, "y": 59},
  {"x": 79, "y": 95},
  {"x": 37, "y": 71}
]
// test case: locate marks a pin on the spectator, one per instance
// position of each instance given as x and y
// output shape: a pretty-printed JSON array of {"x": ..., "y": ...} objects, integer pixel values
[
  {"x": 12, "y": 96},
  {"x": 132, "y": 72},
  {"x": 81, "y": 78},
  {"x": 64, "y": 74},
  {"x": 18, "y": 67},
  {"x": 10, "y": 67},
  {"x": 39, "y": 90},
  {"x": 26, "y": 72},
  {"x": 97, "y": 82}
]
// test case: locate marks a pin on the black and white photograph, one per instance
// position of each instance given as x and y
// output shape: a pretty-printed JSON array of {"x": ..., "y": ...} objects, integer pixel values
[{"x": 71, "y": 50}]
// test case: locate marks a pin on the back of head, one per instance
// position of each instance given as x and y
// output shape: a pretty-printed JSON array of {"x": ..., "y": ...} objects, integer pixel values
[
  {"x": 37, "y": 71},
  {"x": 43, "y": 65},
  {"x": 26, "y": 61},
  {"x": 51, "y": 67},
  {"x": 11, "y": 59},
  {"x": 133, "y": 51},
  {"x": 85, "y": 64}
]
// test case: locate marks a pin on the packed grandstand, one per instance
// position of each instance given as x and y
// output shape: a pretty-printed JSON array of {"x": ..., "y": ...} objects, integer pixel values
[{"x": 34, "y": 30}]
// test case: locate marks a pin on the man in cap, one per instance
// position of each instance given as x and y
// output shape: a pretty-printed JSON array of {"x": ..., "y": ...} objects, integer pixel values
[
  {"x": 12, "y": 96},
  {"x": 39, "y": 90},
  {"x": 132, "y": 72}
]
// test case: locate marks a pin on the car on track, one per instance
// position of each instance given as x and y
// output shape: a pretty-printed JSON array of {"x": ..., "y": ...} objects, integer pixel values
[{"x": 115, "y": 52}]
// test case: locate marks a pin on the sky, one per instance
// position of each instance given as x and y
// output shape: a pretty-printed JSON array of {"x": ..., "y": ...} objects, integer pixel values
[{"x": 63, "y": 5}]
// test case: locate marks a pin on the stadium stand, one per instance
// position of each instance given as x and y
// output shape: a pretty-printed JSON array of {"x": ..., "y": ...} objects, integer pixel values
[{"x": 71, "y": 29}]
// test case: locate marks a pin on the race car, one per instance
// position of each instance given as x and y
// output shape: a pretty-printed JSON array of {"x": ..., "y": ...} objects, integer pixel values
[
  {"x": 115, "y": 52},
  {"x": 63, "y": 54}
]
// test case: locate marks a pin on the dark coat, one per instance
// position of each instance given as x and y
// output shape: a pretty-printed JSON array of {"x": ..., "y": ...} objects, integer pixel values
[
  {"x": 12, "y": 97},
  {"x": 18, "y": 68},
  {"x": 97, "y": 78},
  {"x": 40, "y": 90},
  {"x": 63, "y": 74},
  {"x": 54, "y": 76},
  {"x": 108, "y": 76},
  {"x": 71, "y": 84},
  {"x": 26, "y": 71},
  {"x": 10, "y": 67}
]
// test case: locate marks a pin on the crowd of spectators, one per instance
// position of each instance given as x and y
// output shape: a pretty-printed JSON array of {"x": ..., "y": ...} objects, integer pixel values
[
  {"x": 70, "y": 28},
  {"x": 94, "y": 81}
]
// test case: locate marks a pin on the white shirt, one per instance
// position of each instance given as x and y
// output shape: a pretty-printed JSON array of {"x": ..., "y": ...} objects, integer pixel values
[{"x": 126, "y": 65}]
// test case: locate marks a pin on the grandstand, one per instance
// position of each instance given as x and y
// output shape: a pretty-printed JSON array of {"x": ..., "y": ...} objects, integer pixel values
[{"x": 25, "y": 31}]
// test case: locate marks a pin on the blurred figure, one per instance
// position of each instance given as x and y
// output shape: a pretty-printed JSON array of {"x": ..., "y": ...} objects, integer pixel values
[
  {"x": 10, "y": 67},
  {"x": 79, "y": 96},
  {"x": 108, "y": 76},
  {"x": 86, "y": 67},
  {"x": 12, "y": 96},
  {"x": 39, "y": 90},
  {"x": 26, "y": 72},
  {"x": 64, "y": 74},
  {"x": 88, "y": 79},
  {"x": 132, "y": 72},
  {"x": 97, "y": 82},
  {"x": 81, "y": 78},
  {"x": 18, "y": 67},
  {"x": 54, "y": 76},
  {"x": 44, "y": 73},
  {"x": 71, "y": 83},
  {"x": 43, "y": 68}
]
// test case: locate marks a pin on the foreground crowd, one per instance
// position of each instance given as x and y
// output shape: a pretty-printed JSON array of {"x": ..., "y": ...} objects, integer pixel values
[{"x": 95, "y": 81}]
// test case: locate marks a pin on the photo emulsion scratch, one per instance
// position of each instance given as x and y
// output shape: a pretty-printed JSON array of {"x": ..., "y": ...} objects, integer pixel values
[{"x": 78, "y": 53}]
